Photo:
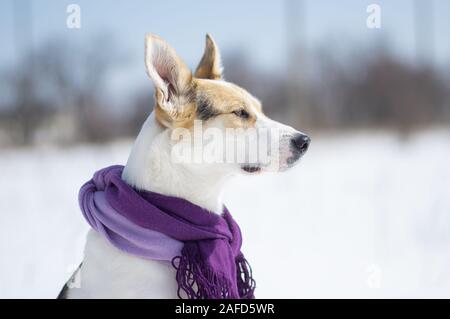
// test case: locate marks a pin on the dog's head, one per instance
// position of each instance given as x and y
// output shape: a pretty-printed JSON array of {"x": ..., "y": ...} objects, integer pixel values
[{"x": 214, "y": 122}]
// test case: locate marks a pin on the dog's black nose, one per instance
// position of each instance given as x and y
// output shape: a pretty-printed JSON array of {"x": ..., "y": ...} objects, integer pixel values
[{"x": 300, "y": 143}]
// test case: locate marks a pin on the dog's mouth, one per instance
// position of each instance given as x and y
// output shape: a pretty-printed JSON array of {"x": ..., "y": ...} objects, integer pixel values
[{"x": 251, "y": 168}]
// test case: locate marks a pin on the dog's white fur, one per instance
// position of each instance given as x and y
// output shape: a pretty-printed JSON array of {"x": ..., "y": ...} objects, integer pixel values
[{"x": 109, "y": 273}]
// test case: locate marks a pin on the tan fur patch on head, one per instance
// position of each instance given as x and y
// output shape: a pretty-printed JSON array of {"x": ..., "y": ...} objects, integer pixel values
[
  {"x": 220, "y": 98},
  {"x": 212, "y": 99},
  {"x": 183, "y": 119}
]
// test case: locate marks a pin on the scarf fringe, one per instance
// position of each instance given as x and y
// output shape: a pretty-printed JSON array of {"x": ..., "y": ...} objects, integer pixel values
[
  {"x": 245, "y": 283},
  {"x": 199, "y": 281}
]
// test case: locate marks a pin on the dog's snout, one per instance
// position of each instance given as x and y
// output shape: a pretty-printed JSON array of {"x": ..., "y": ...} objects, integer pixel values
[{"x": 300, "y": 143}]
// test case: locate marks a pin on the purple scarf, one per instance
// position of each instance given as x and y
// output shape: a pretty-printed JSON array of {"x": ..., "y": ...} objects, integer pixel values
[{"x": 203, "y": 247}]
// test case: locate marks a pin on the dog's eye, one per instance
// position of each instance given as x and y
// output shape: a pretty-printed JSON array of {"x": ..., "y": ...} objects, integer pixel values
[{"x": 243, "y": 114}]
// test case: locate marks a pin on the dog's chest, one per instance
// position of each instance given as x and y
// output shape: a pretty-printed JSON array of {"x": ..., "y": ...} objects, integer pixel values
[{"x": 110, "y": 273}]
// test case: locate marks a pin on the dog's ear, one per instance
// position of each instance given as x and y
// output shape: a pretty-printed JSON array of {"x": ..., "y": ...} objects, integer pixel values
[
  {"x": 171, "y": 76},
  {"x": 210, "y": 66}
]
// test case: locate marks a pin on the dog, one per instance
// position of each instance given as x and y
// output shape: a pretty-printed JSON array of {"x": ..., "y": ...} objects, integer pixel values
[{"x": 182, "y": 100}]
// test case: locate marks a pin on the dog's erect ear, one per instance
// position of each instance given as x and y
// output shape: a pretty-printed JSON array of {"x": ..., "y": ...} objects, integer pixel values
[
  {"x": 210, "y": 66},
  {"x": 171, "y": 76}
]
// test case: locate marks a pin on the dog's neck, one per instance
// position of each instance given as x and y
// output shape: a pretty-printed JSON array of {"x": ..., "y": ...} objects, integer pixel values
[{"x": 149, "y": 167}]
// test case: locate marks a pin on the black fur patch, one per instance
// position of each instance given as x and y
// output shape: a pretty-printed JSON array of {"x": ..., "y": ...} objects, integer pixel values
[{"x": 205, "y": 111}]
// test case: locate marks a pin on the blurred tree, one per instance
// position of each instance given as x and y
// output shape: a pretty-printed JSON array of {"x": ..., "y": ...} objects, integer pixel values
[{"x": 57, "y": 80}]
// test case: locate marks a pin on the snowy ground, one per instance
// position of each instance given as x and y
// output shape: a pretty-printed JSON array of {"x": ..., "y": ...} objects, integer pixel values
[{"x": 364, "y": 215}]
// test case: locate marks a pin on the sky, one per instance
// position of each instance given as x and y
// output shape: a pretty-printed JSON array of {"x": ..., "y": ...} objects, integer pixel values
[{"x": 257, "y": 28}]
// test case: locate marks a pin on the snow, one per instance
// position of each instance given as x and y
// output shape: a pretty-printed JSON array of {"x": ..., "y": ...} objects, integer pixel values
[{"x": 363, "y": 215}]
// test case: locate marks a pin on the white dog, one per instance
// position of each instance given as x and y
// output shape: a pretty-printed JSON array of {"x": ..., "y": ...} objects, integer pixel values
[{"x": 182, "y": 100}]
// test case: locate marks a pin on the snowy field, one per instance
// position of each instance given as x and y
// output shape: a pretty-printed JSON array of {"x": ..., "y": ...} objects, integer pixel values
[{"x": 364, "y": 215}]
